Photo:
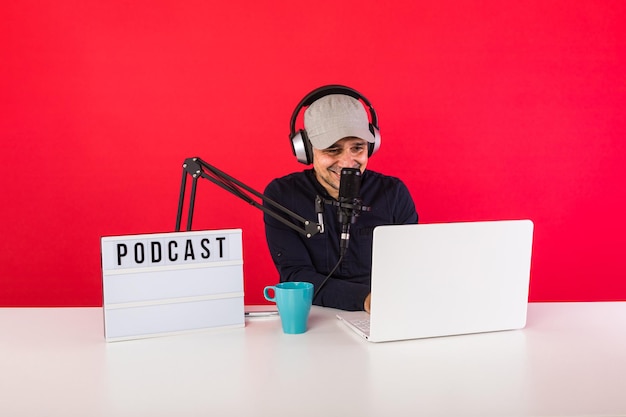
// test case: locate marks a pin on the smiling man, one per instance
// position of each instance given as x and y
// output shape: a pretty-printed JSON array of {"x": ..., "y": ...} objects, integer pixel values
[{"x": 337, "y": 134}]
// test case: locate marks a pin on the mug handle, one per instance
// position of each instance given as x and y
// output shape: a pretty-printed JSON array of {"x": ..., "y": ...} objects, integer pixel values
[{"x": 266, "y": 293}]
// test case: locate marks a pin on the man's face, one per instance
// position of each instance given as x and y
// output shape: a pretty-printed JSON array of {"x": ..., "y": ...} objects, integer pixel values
[{"x": 345, "y": 153}]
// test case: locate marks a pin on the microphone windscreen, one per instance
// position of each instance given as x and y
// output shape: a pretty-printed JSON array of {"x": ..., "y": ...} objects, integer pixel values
[{"x": 349, "y": 183}]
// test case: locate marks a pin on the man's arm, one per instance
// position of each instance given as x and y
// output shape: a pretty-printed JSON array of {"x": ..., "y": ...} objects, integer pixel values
[
  {"x": 298, "y": 258},
  {"x": 292, "y": 260}
]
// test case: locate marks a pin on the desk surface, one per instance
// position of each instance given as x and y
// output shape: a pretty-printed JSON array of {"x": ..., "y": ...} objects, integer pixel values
[{"x": 569, "y": 361}]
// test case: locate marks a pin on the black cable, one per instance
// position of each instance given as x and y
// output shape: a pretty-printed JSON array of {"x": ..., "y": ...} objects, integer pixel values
[{"x": 327, "y": 277}]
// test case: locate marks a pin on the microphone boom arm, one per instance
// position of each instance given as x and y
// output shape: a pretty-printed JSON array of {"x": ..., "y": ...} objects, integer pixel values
[{"x": 197, "y": 168}]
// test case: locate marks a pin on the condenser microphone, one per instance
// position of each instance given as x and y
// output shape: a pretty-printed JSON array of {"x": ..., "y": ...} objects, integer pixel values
[{"x": 349, "y": 203}]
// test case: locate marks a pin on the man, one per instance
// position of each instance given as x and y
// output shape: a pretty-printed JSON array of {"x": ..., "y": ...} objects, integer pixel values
[{"x": 339, "y": 136}]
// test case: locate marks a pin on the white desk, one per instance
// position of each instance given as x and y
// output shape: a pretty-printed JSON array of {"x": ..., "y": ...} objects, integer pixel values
[{"x": 570, "y": 360}]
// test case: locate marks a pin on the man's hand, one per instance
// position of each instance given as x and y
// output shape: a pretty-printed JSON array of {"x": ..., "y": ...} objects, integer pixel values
[{"x": 366, "y": 304}]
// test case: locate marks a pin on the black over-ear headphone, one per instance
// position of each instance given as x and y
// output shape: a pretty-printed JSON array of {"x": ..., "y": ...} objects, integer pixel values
[{"x": 300, "y": 143}]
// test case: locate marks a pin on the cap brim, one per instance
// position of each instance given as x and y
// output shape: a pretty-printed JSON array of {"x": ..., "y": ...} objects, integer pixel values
[{"x": 327, "y": 139}]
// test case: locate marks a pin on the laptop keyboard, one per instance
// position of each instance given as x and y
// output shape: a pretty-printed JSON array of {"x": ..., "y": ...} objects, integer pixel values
[{"x": 362, "y": 324}]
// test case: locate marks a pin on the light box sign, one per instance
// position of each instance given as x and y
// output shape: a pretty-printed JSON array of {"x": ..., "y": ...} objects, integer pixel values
[{"x": 169, "y": 283}]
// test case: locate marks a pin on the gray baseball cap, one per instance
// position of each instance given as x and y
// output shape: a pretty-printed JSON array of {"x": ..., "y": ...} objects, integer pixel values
[{"x": 334, "y": 117}]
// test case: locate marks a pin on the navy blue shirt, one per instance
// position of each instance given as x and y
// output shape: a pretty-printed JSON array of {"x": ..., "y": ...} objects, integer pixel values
[{"x": 298, "y": 258}]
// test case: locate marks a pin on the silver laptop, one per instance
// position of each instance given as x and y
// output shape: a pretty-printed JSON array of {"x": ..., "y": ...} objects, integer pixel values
[{"x": 431, "y": 280}]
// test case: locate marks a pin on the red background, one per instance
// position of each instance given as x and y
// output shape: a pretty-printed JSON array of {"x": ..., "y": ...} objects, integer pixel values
[{"x": 488, "y": 110}]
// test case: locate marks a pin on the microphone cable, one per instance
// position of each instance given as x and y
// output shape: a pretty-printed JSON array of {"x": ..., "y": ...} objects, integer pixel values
[{"x": 327, "y": 277}]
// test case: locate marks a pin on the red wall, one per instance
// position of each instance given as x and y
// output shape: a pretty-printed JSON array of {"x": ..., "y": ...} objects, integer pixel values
[{"x": 488, "y": 110}]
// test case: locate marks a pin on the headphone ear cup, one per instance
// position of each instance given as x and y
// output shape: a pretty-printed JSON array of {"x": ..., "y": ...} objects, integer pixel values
[
  {"x": 373, "y": 147},
  {"x": 301, "y": 147}
]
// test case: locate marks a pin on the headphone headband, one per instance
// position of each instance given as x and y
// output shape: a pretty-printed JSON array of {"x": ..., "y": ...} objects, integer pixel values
[
  {"x": 300, "y": 143},
  {"x": 326, "y": 91}
]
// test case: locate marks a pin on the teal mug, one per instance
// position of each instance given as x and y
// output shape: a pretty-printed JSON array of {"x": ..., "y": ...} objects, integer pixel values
[{"x": 293, "y": 300}]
